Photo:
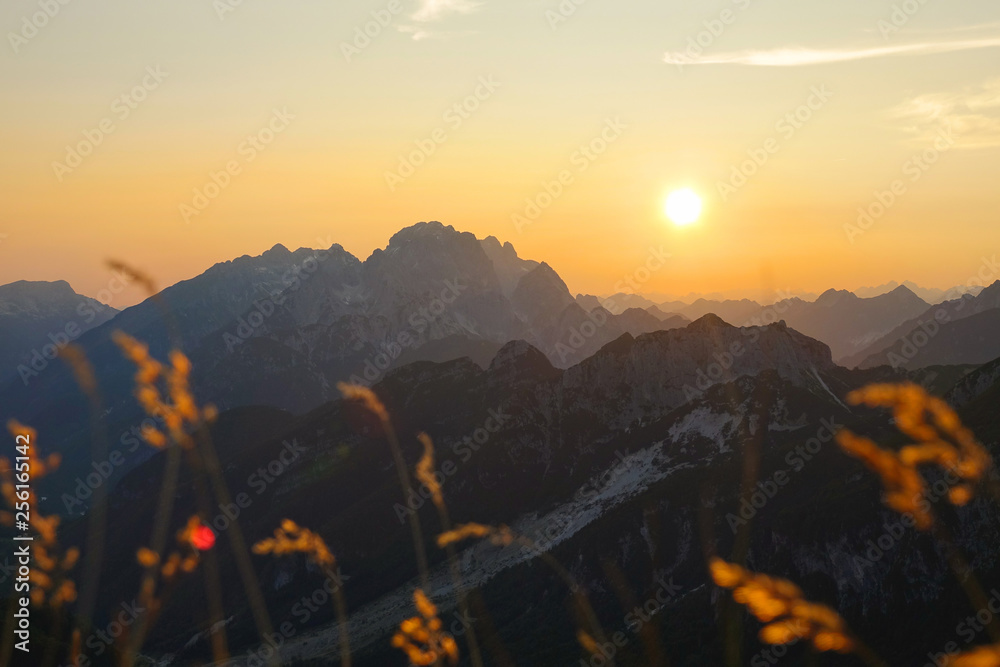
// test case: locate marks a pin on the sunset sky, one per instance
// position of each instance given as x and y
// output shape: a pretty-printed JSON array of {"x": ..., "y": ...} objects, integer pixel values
[{"x": 207, "y": 75}]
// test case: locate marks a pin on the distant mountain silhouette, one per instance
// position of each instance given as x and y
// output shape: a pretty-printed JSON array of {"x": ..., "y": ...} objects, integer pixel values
[
  {"x": 732, "y": 311},
  {"x": 839, "y": 318},
  {"x": 662, "y": 315},
  {"x": 38, "y": 318},
  {"x": 284, "y": 328},
  {"x": 970, "y": 340},
  {"x": 899, "y": 346},
  {"x": 931, "y": 295},
  {"x": 844, "y": 321}
]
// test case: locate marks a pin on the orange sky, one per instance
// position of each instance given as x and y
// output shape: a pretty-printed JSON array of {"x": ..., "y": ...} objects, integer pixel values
[{"x": 532, "y": 90}]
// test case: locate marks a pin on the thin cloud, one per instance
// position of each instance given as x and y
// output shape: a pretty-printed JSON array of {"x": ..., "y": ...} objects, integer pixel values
[
  {"x": 431, "y": 11},
  {"x": 416, "y": 32},
  {"x": 804, "y": 57},
  {"x": 435, "y": 10},
  {"x": 972, "y": 115}
]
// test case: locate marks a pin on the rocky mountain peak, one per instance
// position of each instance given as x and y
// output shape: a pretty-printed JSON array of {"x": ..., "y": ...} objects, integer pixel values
[
  {"x": 508, "y": 266},
  {"x": 902, "y": 295},
  {"x": 990, "y": 295},
  {"x": 834, "y": 296},
  {"x": 519, "y": 355},
  {"x": 709, "y": 322},
  {"x": 541, "y": 291},
  {"x": 277, "y": 249}
]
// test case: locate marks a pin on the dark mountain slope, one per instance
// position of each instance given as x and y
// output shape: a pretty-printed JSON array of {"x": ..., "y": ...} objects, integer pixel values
[
  {"x": 896, "y": 340},
  {"x": 38, "y": 317}
]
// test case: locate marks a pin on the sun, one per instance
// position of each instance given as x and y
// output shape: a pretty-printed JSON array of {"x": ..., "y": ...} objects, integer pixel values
[{"x": 683, "y": 207}]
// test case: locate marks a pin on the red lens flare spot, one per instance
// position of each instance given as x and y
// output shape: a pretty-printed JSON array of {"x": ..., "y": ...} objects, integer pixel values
[{"x": 203, "y": 538}]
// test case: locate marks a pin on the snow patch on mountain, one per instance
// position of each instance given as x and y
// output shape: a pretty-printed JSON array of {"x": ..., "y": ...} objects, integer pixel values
[
  {"x": 631, "y": 476},
  {"x": 704, "y": 423}
]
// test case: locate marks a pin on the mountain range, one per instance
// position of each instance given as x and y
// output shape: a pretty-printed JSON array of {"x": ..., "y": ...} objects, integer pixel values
[
  {"x": 622, "y": 467},
  {"x": 939, "y": 332},
  {"x": 283, "y": 328},
  {"x": 617, "y": 439},
  {"x": 846, "y": 322},
  {"x": 932, "y": 295},
  {"x": 36, "y": 318}
]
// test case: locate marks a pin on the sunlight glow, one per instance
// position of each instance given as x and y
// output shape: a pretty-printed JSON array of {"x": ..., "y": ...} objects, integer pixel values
[{"x": 683, "y": 207}]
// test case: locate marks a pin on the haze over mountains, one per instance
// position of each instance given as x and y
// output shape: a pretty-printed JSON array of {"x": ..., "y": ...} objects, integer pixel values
[
  {"x": 855, "y": 328},
  {"x": 931, "y": 295},
  {"x": 960, "y": 329},
  {"x": 606, "y": 430},
  {"x": 327, "y": 315},
  {"x": 283, "y": 328},
  {"x": 309, "y": 318}
]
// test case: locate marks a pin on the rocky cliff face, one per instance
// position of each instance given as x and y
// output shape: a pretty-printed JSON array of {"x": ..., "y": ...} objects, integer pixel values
[
  {"x": 667, "y": 368},
  {"x": 430, "y": 286},
  {"x": 975, "y": 384}
]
